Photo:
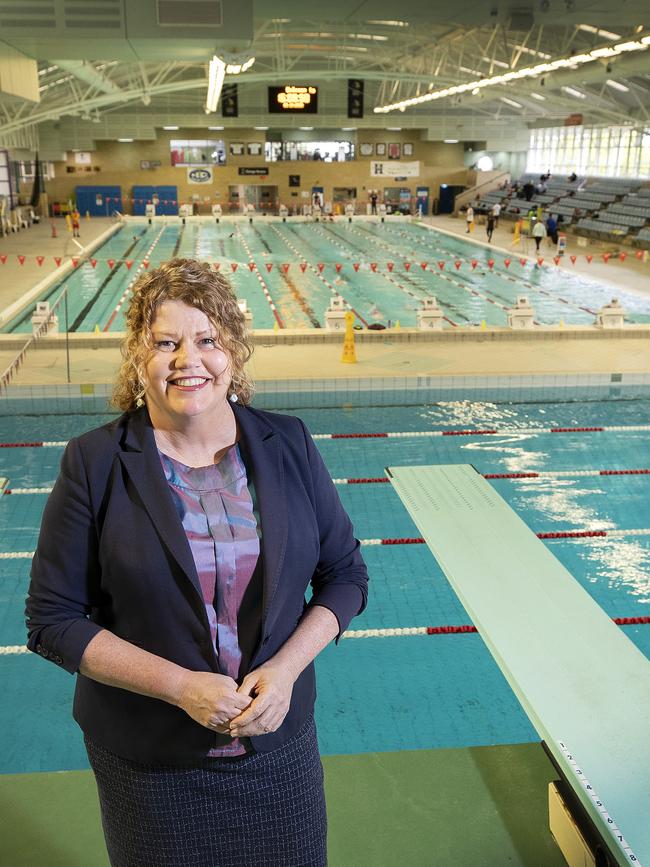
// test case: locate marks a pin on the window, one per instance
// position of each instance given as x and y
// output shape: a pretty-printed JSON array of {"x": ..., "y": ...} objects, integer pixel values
[
  {"x": 198, "y": 152},
  {"x": 327, "y": 151},
  {"x": 619, "y": 151},
  {"x": 26, "y": 170}
]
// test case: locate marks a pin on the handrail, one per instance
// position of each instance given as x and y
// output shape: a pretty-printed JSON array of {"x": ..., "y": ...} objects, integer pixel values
[
  {"x": 468, "y": 195},
  {"x": 6, "y": 376}
]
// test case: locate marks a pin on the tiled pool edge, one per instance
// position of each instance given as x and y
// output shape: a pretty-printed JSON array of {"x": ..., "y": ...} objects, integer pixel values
[{"x": 369, "y": 391}]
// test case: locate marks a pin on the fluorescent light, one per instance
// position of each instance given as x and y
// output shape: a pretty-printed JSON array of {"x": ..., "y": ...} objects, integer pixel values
[
  {"x": 215, "y": 127},
  {"x": 348, "y": 129},
  {"x": 617, "y": 85},
  {"x": 125, "y": 139},
  {"x": 394, "y": 128},
  {"x": 261, "y": 128},
  {"x": 573, "y": 92},
  {"x": 450, "y": 141},
  {"x": 589, "y": 28},
  {"x": 170, "y": 127},
  {"x": 511, "y": 102},
  {"x": 216, "y": 75},
  {"x": 390, "y": 23},
  {"x": 496, "y": 62},
  {"x": 538, "y": 96},
  {"x": 539, "y": 69},
  {"x": 306, "y": 128}
]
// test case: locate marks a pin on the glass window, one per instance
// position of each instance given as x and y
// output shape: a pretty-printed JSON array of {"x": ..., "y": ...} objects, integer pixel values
[{"x": 198, "y": 152}]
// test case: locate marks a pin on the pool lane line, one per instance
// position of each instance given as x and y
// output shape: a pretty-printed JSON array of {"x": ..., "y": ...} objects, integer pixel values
[
  {"x": 418, "y": 540},
  {"x": 260, "y": 279},
  {"x": 138, "y": 270},
  {"x": 300, "y": 299},
  {"x": 527, "y": 431},
  {"x": 319, "y": 275},
  {"x": 91, "y": 301},
  {"x": 386, "y": 632},
  {"x": 380, "y": 480}
]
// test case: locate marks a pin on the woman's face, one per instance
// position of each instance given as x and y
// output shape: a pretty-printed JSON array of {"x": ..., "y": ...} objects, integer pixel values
[{"x": 188, "y": 373}]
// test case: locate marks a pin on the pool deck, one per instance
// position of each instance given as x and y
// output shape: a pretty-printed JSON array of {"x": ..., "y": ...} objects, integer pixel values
[{"x": 302, "y": 355}]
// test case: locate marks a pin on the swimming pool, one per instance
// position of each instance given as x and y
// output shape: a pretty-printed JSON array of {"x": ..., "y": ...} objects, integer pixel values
[
  {"x": 376, "y": 268},
  {"x": 393, "y": 691}
]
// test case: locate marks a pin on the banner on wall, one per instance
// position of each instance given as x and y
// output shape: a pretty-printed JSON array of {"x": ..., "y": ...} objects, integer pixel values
[
  {"x": 202, "y": 175},
  {"x": 394, "y": 169}
]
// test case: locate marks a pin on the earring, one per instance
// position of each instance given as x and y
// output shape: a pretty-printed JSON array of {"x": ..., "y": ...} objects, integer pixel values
[
  {"x": 233, "y": 398},
  {"x": 139, "y": 402}
]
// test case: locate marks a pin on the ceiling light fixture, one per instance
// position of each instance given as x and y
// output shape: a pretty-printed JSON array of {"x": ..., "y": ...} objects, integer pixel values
[
  {"x": 540, "y": 69},
  {"x": 125, "y": 139},
  {"x": 538, "y": 96},
  {"x": 229, "y": 64},
  {"x": 511, "y": 102},
  {"x": 617, "y": 85},
  {"x": 607, "y": 34},
  {"x": 450, "y": 141},
  {"x": 170, "y": 127},
  {"x": 573, "y": 92}
]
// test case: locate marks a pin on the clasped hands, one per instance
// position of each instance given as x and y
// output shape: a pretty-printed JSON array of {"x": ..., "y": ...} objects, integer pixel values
[{"x": 256, "y": 707}]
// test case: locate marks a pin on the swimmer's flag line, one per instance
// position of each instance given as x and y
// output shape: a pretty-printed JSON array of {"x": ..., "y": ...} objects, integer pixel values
[{"x": 579, "y": 678}]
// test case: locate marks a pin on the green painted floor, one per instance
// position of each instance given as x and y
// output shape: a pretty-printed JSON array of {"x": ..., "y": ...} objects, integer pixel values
[{"x": 484, "y": 807}]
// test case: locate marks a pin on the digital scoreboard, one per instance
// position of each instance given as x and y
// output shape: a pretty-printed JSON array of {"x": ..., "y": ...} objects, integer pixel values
[{"x": 293, "y": 99}]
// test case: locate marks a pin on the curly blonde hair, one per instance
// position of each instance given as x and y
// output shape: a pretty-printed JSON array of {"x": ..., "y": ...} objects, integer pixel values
[{"x": 197, "y": 285}]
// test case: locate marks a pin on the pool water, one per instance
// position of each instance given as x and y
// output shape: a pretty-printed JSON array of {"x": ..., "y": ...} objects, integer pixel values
[
  {"x": 384, "y": 693},
  {"x": 469, "y": 294}
]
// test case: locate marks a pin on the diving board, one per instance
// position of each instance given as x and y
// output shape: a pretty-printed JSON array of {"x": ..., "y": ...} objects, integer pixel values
[{"x": 582, "y": 682}]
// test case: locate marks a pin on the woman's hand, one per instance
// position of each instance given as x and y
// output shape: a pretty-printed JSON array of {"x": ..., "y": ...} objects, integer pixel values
[
  {"x": 270, "y": 687},
  {"x": 211, "y": 699}
]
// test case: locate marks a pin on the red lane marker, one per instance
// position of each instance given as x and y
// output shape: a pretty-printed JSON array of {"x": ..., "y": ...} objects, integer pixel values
[
  {"x": 572, "y": 534},
  {"x": 360, "y": 436},
  {"x": 466, "y": 628},
  {"x": 466, "y": 433},
  {"x": 449, "y": 630},
  {"x": 19, "y": 445},
  {"x": 624, "y": 472},
  {"x": 367, "y": 481},
  {"x": 575, "y": 429},
  {"x": 405, "y": 541},
  {"x": 510, "y": 475}
]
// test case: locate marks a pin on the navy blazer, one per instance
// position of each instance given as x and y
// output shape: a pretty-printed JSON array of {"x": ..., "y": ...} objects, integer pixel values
[{"x": 113, "y": 554}]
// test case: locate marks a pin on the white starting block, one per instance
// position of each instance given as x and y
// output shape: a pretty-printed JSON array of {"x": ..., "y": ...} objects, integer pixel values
[
  {"x": 611, "y": 315},
  {"x": 217, "y": 211},
  {"x": 521, "y": 315},
  {"x": 382, "y": 211},
  {"x": 150, "y": 211},
  {"x": 349, "y": 211},
  {"x": 184, "y": 211},
  {"x": 250, "y": 211},
  {"x": 335, "y": 314},
  {"x": 283, "y": 211},
  {"x": 429, "y": 315},
  {"x": 248, "y": 316},
  {"x": 42, "y": 314}
]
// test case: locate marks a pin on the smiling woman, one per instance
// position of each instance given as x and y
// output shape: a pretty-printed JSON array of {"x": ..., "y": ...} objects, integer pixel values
[{"x": 176, "y": 550}]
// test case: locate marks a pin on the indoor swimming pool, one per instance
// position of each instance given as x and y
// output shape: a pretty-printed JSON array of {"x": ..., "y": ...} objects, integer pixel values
[
  {"x": 576, "y": 471},
  {"x": 288, "y": 272}
]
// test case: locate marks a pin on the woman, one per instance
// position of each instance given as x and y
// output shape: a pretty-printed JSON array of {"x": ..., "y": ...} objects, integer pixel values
[
  {"x": 170, "y": 573},
  {"x": 539, "y": 232},
  {"x": 469, "y": 219}
]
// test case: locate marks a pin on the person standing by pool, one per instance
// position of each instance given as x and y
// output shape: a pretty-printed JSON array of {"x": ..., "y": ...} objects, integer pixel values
[
  {"x": 539, "y": 232},
  {"x": 551, "y": 228},
  {"x": 469, "y": 218},
  {"x": 496, "y": 211},
  {"x": 489, "y": 226},
  {"x": 170, "y": 573}
]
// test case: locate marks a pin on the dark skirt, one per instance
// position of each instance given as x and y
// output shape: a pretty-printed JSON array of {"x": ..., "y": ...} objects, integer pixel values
[{"x": 263, "y": 810}]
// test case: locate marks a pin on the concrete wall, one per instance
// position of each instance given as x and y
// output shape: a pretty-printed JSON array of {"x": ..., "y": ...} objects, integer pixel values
[{"x": 119, "y": 163}]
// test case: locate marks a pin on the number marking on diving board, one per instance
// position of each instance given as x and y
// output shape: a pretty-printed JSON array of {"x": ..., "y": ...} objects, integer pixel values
[{"x": 611, "y": 824}]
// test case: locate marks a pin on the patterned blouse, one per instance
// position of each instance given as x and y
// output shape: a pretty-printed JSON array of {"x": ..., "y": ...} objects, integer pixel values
[{"x": 217, "y": 508}]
